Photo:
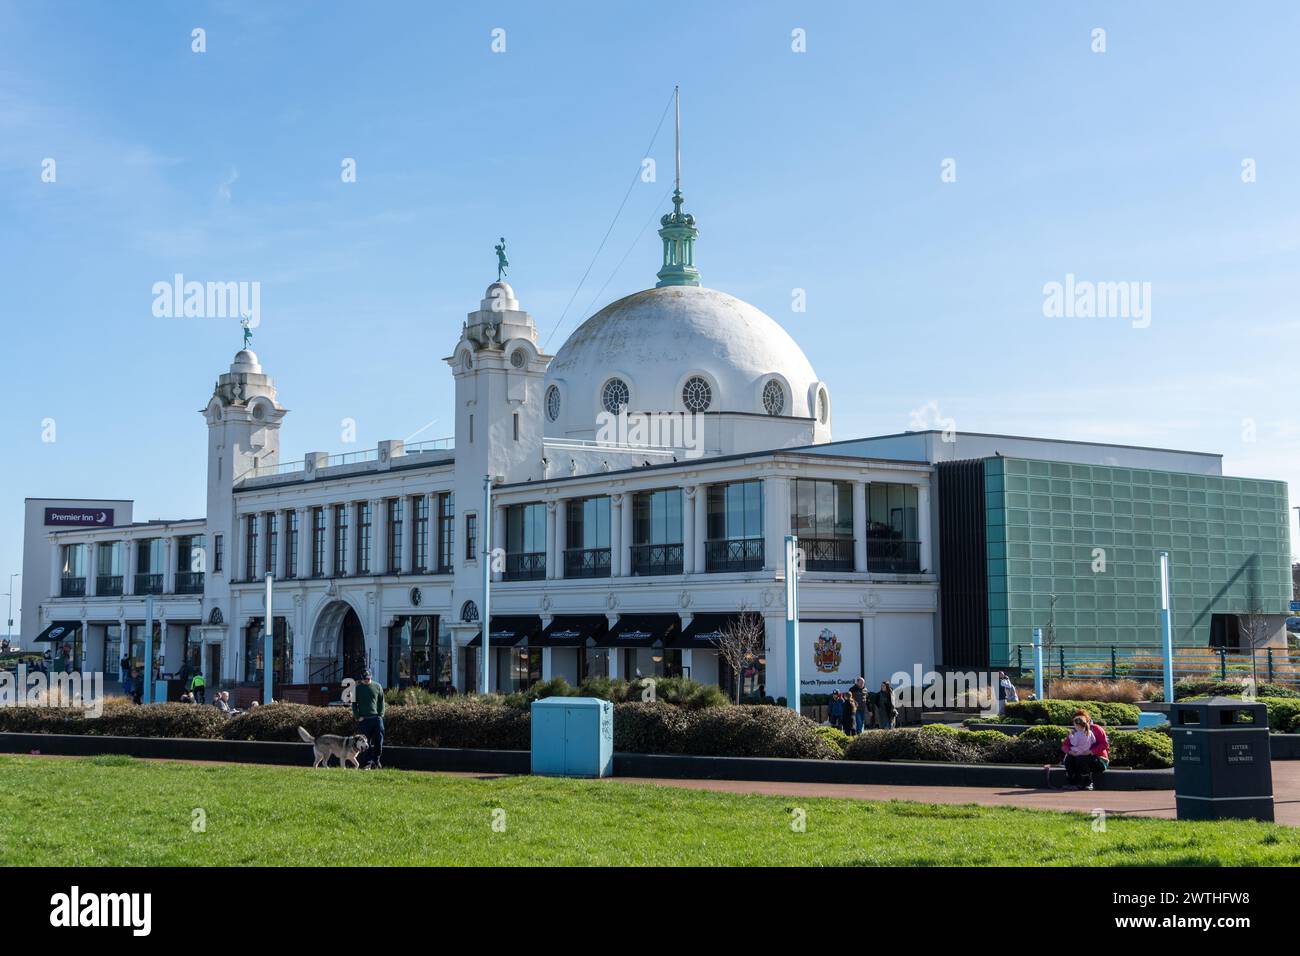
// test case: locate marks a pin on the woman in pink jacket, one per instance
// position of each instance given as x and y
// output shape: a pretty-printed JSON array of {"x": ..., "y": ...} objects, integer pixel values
[{"x": 1087, "y": 751}]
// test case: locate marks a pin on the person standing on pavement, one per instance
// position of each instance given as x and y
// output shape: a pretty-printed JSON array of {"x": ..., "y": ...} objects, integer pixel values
[
  {"x": 368, "y": 709},
  {"x": 859, "y": 694}
]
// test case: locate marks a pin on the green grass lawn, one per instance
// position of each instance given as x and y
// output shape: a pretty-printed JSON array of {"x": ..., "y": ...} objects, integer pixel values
[{"x": 121, "y": 811}]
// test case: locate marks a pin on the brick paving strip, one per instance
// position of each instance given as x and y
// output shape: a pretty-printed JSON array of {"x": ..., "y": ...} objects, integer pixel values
[{"x": 1144, "y": 803}]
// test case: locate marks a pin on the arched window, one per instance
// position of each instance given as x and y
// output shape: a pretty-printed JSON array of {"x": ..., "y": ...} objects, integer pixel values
[
  {"x": 615, "y": 395},
  {"x": 469, "y": 612},
  {"x": 773, "y": 397},
  {"x": 553, "y": 402},
  {"x": 697, "y": 396}
]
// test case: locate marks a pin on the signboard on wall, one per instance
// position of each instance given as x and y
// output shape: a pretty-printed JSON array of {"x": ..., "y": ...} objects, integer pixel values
[
  {"x": 78, "y": 517},
  {"x": 830, "y": 655}
]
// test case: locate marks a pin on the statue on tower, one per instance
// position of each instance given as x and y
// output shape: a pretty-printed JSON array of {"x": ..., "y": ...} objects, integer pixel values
[
  {"x": 248, "y": 330},
  {"x": 502, "y": 261}
]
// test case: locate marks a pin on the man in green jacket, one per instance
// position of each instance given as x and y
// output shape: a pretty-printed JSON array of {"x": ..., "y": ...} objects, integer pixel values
[
  {"x": 368, "y": 709},
  {"x": 199, "y": 688}
]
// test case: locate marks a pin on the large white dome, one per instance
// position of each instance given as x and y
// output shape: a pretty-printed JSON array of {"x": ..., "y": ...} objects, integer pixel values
[{"x": 679, "y": 348}]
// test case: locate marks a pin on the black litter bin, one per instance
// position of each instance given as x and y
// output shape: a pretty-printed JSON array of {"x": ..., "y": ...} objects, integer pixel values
[{"x": 1222, "y": 767}]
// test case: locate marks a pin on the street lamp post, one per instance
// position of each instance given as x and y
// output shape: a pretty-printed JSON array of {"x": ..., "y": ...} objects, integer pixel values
[
  {"x": 792, "y": 693},
  {"x": 9, "y": 628},
  {"x": 485, "y": 618},
  {"x": 268, "y": 642},
  {"x": 1167, "y": 626},
  {"x": 147, "y": 676}
]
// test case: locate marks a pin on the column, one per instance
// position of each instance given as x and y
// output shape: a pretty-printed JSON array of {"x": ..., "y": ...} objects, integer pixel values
[
  {"x": 330, "y": 570},
  {"x": 408, "y": 535},
  {"x": 56, "y": 567},
  {"x": 498, "y": 537},
  {"x": 561, "y": 535},
  {"x": 776, "y": 521},
  {"x": 614, "y": 652},
  {"x": 701, "y": 528},
  {"x": 92, "y": 576},
  {"x": 304, "y": 543},
  {"x": 616, "y": 535},
  {"x": 687, "y": 536},
  {"x": 282, "y": 546},
  {"x": 923, "y": 525},
  {"x": 552, "y": 563},
  {"x": 431, "y": 532},
  {"x": 625, "y": 552},
  {"x": 859, "y": 526},
  {"x": 378, "y": 530},
  {"x": 169, "y": 565},
  {"x": 128, "y": 572}
]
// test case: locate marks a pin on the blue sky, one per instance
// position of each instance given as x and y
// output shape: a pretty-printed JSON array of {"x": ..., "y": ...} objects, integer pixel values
[{"x": 817, "y": 170}]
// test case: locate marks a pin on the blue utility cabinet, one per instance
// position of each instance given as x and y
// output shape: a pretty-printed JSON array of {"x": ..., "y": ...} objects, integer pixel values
[{"x": 573, "y": 737}]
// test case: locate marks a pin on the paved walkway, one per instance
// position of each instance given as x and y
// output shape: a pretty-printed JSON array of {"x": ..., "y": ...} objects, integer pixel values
[{"x": 1146, "y": 803}]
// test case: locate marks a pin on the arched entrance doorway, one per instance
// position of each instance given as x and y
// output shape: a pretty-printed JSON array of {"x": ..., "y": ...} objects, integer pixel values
[{"x": 338, "y": 645}]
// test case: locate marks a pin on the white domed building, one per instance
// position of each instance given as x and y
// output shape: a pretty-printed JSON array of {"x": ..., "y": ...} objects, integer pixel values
[{"x": 643, "y": 482}]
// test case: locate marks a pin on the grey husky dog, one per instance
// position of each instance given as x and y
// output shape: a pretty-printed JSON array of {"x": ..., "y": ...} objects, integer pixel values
[{"x": 346, "y": 749}]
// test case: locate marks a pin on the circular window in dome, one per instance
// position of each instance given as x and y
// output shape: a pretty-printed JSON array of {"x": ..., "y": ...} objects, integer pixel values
[
  {"x": 553, "y": 402},
  {"x": 697, "y": 396},
  {"x": 615, "y": 395},
  {"x": 773, "y": 397},
  {"x": 823, "y": 406},
  {"x": 518, "y": 358}
]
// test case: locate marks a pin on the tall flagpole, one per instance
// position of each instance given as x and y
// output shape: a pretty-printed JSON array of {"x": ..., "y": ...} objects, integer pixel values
[{"x": 677, "y": 102}]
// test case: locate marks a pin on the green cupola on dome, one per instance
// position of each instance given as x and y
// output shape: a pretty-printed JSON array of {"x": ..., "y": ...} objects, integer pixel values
[{"x": 677, "y": 228}]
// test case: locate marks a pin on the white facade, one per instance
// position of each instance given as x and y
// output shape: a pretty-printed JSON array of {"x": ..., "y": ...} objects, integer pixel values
[
  {"x": 360, "y": 545},
  {"x": 759, "y": 409}
]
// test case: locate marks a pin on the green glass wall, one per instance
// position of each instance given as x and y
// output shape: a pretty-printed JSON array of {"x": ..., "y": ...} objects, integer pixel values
[{"x": 1228, "y": 540}]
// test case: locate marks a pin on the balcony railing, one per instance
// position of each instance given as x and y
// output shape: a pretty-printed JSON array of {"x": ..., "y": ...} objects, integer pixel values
[
  {"x": 526, "y": 566},
  {"x": 189, "y": 582},
  {"x": 656, "y": 559},
  {"x": 586, "y": 562},
  {"x": 827, "y": 554},
  {"x": 893, "y": 556},
  {"x": 148, "y": 584},
  {"x": 72, "y": 587},
  {"x": 734, "y": 554},
  {"x": 108, "y": 585}
]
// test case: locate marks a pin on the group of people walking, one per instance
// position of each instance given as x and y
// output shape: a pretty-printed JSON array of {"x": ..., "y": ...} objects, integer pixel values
[{"x": 856, "y": 709}]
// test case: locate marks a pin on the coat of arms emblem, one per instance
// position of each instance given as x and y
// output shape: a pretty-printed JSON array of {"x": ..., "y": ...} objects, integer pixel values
[{"x": 827, "y": 652}]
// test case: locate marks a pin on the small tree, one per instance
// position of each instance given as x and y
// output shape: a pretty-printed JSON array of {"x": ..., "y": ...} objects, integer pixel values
[
  {"x": 741, "y": 643},
  {"x": 1254, "y": 629}
]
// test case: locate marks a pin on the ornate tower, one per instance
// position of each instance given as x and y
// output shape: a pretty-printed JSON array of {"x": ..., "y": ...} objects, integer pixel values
[{"x": 243, "y": 419}]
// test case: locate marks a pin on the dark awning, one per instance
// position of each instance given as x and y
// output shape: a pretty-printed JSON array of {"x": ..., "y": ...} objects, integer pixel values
[
  {"x": 58, "y": 631},
  {"x": 509, "y": 630},
  {"x": 705, "y": 629},
  {"x": 574, "y": 630},
  {"x": 642, "y": 630}
]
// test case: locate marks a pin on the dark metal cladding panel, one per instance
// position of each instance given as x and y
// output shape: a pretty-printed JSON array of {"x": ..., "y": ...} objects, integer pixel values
[{"x": 963, "y": 567}]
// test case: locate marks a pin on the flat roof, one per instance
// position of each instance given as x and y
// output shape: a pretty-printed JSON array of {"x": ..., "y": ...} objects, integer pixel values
[{"x": 1054, "y": 441}]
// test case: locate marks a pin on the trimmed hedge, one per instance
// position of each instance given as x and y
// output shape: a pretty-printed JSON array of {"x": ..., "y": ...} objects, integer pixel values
[
  {"x": 1036, "y": 745},
  {"x": 463, "y": 722},
  {"x": 735, "y": 731},
  {"x": 120, "y": 718},
  {"x": 1142, "y": 749},
  {"x": 1060, "y": 713},
  {"x": 754, "y": 730},
  {"x": 1213, "y": 688},
  {"x": 1283, "y": 713},
  {"x": 281, "y": 722},
  {"x": 833, "y": 736}
]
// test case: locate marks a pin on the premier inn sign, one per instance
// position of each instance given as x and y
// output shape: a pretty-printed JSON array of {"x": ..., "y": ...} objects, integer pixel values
[{"x": 78, "y": 517}]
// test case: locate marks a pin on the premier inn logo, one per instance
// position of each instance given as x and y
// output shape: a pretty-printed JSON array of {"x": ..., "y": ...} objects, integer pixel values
[
  {"x": 77, "y": 909},
  {"x": 630, "y": 635}
]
